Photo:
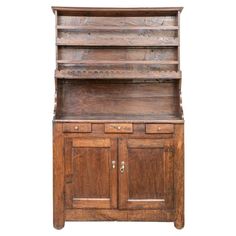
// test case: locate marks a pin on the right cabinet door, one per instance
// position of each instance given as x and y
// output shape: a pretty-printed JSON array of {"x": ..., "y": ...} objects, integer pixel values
[{"x": 146, "y": 174}]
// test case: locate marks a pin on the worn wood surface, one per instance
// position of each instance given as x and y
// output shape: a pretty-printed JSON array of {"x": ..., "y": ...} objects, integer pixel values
[
  {"x": 118, "y": 128},
  {"x": 77, "y": 127},
  {"x": 108, "y": 11},
  {"x": 159, "y": 128},
  {"x": 91, "y": 176},
  {"x": 179, "y": 176},
  {"x": 147, "y": 179},
  {"x": 104, "y": 98},
  {"x": 58, "y": 177},
  {"x": 119, "y": 215},
  {"x": 119, "y": 73},
  {"x": 118, "y": 144}
]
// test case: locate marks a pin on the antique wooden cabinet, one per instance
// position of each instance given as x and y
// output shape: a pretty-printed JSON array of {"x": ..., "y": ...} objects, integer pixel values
[{"x": 118, "y": 141}]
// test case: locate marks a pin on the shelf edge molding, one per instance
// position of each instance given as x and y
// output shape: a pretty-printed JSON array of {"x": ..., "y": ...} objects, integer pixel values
[{"x": 75, "y": 74}]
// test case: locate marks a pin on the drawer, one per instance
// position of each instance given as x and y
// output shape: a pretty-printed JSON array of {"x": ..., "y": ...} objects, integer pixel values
[
  {"x": 77, "y": 127},
  {"x": 159, "y": 128},
  {"x": 118, "y": 128}
]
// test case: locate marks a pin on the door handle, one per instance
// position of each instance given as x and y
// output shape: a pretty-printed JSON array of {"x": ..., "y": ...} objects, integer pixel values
[
  {"x": 113, "y": 164},
  {"x": 122, "y": 167}
]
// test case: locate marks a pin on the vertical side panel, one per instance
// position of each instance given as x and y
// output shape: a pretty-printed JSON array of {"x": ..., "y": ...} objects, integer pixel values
[
  {"x": 56, "y": 47},
  {"x": 58, "y": 177},
  {"x": 179, "y": 175},
  {"x": 178, "y": 39}
]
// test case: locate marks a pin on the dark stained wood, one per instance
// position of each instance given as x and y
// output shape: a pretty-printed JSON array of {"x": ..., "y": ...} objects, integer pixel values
[
  {"x": 104, "y": 98},
  {"x": 90, "y": 175},
  {"x": 124, "y": 215},
  {"x": 118, "y": 128},
  {"x": 118, "y": 143},
  {"x": 147, "y": 179},
  {"x": 179, "y": 176},
  {"x": 159, "y": 128},
  {"x": 77, "y": 127},
  {"x": 58, "y": 177},
  {"x": 91, "y": 11},
  {"x": 98, "y": 142}
]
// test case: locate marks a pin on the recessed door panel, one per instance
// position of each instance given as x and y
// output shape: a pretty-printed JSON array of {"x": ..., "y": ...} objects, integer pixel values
[
  {"x": 91, "y": 173},
  {"x": 146, "y": 174}
]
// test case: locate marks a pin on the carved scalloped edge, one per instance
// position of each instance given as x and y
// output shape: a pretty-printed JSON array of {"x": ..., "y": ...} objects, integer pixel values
[{"x": 73, "y": 74}]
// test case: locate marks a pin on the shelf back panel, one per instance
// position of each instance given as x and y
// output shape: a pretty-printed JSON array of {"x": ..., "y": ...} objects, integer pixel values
[{"x": 98, "y": 98}]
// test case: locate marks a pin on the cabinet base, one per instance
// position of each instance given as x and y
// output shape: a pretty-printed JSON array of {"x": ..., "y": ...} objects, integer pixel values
[{"x": 120, "y": 215}]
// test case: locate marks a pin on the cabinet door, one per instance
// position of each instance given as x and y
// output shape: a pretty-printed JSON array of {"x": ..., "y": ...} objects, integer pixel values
[
  {"x": 146, "y": 179},
  {"x": 90, "y": 173}
]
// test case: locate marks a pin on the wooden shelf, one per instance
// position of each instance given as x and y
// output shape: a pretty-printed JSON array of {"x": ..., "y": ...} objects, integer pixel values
[
  {"x": 82, "y": 27},
  {"x": 116, "y": 62},
  {"x": 114, "y": 43},
  {"x": 119, "y": 118},
  {"x": 116, "y": 74}
]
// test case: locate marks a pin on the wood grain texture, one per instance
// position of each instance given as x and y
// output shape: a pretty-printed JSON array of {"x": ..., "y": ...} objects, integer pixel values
[
  {"x": 138, "y": 21},
  {"x": 91, "y": 180},
  {"x": 147, "y": 179},
  {"x": 77, "y": 127},
  {"x": 124, "y": 215},
  {"x": 118, "y": 145},
  {"x": 58, "y": 177},
  {"x": 104, "y": 98},
  {"x": 145, "y": 143},
  {"x": 179, "y": 176},
  {"x": 119, "y": 54},
  {"x": 117, "y": 38},
  {"x": 159, "y": 128},
  {"x": 118, "y": 73},
  {"x": 94, "y": 11},
  {"x": 118, "y": 128},
  {"x": 85, "y": 142}
]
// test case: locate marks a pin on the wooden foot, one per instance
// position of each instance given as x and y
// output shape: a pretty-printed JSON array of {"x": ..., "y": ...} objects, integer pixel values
[
  {"x": 179, "y": 224},
  {"x": 58, "y": 226}
]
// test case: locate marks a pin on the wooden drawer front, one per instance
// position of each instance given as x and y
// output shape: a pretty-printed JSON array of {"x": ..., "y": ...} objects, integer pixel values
[
  {"x": 77, "y": 128},
  {"x": 118, "y": 128},
  {"x": 159, "y": 128}
]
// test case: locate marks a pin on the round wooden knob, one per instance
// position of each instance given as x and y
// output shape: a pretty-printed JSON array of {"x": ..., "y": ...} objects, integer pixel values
[
  {"x": 159, "y": 128},
  {"x": 118, "y": 127},
  {"x": 76, "y": 127}
]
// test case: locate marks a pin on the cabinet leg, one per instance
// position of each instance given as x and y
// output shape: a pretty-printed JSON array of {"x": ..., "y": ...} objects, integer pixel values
[
  {"x": 179, "y": 223},
  {"x": 57, "y": 224},
  {"x": 179, "y": 176},
  {"x": 58, "y": 177}
]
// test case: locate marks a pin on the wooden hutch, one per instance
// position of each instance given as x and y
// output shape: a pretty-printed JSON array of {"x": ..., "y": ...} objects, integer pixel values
[{"x": 118, "y": 128}]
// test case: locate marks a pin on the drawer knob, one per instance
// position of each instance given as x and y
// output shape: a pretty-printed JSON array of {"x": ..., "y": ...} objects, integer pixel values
[
  {"x": 119, "y": 127},
  {"x": 159, "y": 128},
  {"x": 76, "y": 127}
]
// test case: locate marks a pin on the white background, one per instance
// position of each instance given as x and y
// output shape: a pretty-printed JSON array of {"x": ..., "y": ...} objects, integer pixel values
[{"x": 27, "y": 62}]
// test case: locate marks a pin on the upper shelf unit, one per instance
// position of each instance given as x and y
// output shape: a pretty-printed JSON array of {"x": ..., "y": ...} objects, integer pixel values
[
  {"x": 117, "y": 31},
  {"x": 117, "y": 42}
]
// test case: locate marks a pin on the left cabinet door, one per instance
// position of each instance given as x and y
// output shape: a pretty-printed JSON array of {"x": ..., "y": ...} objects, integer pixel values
[{"x": 90, "y": 173}]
